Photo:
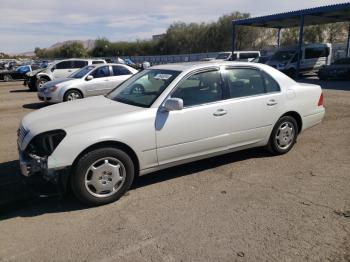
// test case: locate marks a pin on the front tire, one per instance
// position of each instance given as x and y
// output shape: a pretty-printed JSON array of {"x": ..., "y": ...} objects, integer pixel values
[
  {"x": 41, "y": 81},
  {"x": 71, "y": 95},
  {"x": 102, "y": 176},
  {"x": 283, "y": 135}
]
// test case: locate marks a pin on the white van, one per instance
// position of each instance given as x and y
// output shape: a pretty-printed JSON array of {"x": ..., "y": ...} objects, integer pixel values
[
  {"x": 63, "y": 68},
  {"x": 246, "y": 56},
  {"x": 313, "y": 57}
]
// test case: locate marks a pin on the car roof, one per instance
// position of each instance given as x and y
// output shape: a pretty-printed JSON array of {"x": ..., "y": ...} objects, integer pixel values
[{"x": 189, "y": 66}]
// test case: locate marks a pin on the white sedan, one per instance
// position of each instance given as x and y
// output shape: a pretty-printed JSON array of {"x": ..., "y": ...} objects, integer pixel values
[
  {"x": 91, "y": 80},
  {"x": 165, "y": 116}
]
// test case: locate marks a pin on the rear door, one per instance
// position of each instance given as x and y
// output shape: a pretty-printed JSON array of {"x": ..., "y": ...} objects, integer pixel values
[
  {"x": 61, "y": 69},
  {"x": 119, "y": 74},
  {"x": 76, "y": 65},
  {"x": 254, "y": 105},
  {"x": 314, "y": 57}
]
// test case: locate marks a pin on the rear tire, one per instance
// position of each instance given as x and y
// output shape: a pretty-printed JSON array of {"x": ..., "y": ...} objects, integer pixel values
[
  {"x": 8, "y": 78},
  {"x": 283, "y": 136},
  {"x": 102, "y": 176}
]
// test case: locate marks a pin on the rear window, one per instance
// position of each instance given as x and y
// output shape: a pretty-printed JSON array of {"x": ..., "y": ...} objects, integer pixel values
[
  {"x": 120, "y": 70},
  {"x": 248, "y": 55},
  {"x": 316, "y": 52},
  {"x": 95, "y": 62},
  {"x": 63, "y": 65},
  {"x": 79, "y": 63}
]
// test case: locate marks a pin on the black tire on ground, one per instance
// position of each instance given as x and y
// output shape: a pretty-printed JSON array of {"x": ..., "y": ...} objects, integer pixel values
[
  {"x": 274, "y": 145},
  {"x": 72, "y": 95},
  {"x": 32, "y": 85},
  {"x": 40, "y": 82},
  {"x": 7, "y": 78},
  {"x": 83, "y": 166}
]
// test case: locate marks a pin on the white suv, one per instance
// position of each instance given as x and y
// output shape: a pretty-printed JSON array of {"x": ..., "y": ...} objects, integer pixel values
[{"x": 62, "y": 69}]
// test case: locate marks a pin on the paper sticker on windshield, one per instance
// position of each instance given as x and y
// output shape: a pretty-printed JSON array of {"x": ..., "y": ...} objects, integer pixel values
[{"x": 162, "y": 76}]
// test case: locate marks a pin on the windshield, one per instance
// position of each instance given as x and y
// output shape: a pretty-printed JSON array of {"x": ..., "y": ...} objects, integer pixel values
[
  {"x": 223, "y": 56},
  {"x": 143, "y": 88},
  {"x": 283, "y": 55},
  {"x": 82, "y": 72}
]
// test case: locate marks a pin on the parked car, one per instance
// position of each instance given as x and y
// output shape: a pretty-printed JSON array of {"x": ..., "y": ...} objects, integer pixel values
[
  {"x": 245, "y": 56},
  {"x": 165, "y": 116},
  {"x": 340, "y": 69},
  {"x": 57, "y": 69},
  {"x": 261, "y": 59},
  {"x": 91, "y": 80},
  {"x": 17, "y": 74},
  {"x": 313, "y": 57}
]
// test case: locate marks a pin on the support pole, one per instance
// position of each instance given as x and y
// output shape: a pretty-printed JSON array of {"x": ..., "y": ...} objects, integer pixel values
[
  {"x": 301, "y": 40},
  {"x": 279, "y": 37},
  {"x": 233, "y": 39},
  {"x": 348, "y": 43}
]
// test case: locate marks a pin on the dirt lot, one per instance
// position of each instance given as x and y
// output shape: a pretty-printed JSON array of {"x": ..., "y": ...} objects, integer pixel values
[{"x": 245, "y": 206}]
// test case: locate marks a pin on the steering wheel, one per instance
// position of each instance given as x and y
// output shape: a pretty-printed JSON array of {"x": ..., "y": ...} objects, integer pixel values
[{"x": 137, "y": 89}]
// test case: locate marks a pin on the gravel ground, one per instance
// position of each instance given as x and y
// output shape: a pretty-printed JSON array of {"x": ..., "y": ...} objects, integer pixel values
[{"x": 245, "y": 206}]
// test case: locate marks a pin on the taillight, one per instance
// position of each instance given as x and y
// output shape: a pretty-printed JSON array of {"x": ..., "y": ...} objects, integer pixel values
[{"x": 320, "y": 101}]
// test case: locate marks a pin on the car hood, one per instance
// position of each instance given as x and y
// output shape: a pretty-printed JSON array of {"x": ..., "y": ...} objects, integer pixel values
[
  {"x": 34, "y": 72},
  {"x": 59, "y": 82},
  {"x": 73, "y": 113}
]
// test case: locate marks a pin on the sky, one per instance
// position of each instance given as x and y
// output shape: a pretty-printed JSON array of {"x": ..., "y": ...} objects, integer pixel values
[{"x": 27, "y": 24}]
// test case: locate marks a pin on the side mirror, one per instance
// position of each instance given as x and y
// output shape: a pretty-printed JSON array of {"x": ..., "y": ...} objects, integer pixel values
[
  {"x": 173, "y": 104},
  {"x": 53, "y": 69},
  {"x": 89, "y": 77}
]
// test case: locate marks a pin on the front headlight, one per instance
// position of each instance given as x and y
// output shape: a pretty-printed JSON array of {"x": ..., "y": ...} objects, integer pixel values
[
  {"x": 45, "y": 143},
  {"x": 51, "y": 89}
]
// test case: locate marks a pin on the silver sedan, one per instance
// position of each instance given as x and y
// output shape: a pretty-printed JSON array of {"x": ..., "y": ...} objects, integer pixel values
[{"x": 91, "y": 80}]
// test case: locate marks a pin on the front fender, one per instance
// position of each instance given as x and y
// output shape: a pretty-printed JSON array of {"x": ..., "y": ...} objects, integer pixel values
[
  {"x": 139, "y": 136},
  {"x": 39, "y": 75}
]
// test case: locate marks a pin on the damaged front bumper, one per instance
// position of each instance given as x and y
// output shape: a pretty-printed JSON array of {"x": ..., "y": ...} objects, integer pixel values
[{"x": 32, "y": 165}]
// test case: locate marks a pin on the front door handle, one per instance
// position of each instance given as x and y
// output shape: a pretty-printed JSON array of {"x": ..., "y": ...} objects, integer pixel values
[
  {"x": 220, "y": 112},
  {"x": 272, "y": 102}
]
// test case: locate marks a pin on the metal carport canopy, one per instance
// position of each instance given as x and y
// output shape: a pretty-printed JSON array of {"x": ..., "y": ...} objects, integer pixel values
[{"x": 312, "y": 16}]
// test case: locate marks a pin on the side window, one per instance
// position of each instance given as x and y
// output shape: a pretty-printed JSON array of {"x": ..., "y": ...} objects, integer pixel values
[
  {"x": 248, "y": 55},
  {"x": 244, "y": 82},
  {"x": 200, "y": 88},
  {"x": 63, "y": 65},
  {"x": 79, "y": 63},
  {"x": 315, "y": 52},
  {"x": 102, "y": 71},
  {"x": 270, "y": 84},
  {"x": 97, "y": 62},
  {"x": 120, "y": 70}
]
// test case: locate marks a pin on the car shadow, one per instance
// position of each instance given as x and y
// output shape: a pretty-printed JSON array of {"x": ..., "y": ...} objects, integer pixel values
[
  {"x": 36, "y": 198},
  {"x": 35, "y": 105},
  {"x": 21, "y": 91}
]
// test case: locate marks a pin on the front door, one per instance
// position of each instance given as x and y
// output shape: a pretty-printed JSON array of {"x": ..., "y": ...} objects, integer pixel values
[
  {"x": 201, "y": 127},
  {"x": 100, "y": 84}
]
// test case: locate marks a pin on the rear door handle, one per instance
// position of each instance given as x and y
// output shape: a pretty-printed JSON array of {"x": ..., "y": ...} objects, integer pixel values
[
  {"x": 272, "y": 102},
  {"x": 220, "y": 112}
]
